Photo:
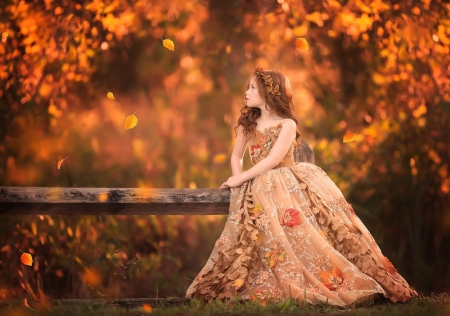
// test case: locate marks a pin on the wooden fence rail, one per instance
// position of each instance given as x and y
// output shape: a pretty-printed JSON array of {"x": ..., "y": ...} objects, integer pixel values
[{"x": 112, "y": 201}]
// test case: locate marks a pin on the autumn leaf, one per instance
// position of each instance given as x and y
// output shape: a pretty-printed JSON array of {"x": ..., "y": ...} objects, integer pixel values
[
  {"x": 219, "y": 158},
  {"x": 256, "y": 211},
  {"x": 92, "y": 276},
  {"x": 110, "y": 95},
  {"x": 239, "y": 283},
  {"x": 131, "y": 121},
  {"x": 167, "y": 43},
  {"x": 273, "y": 256},
  {"x": 26, "y": 304},
  {"x": 61, "y": 161},
  {"x": 4, "y": 37},
  {"x": 147, "y": 308},
  {"x": 26, "y": 259},
  {"x": 332, "y": 280},
  {"x": 349, "y": 137},
  {"x": 301, "y": 43}
]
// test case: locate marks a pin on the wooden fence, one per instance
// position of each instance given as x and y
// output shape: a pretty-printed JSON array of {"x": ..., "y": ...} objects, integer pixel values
[{"x": 113, "y": 201}]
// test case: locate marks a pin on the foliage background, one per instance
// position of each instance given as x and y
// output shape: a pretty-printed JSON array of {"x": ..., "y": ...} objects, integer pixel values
[{"x": 377, "y": 67}]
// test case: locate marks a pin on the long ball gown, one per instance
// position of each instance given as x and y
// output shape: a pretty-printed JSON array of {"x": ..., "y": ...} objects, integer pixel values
[{"x": 291, "y": 233}]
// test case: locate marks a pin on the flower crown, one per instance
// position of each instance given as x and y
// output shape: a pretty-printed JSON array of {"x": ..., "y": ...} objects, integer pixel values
[{"x": 275, "y": 90}]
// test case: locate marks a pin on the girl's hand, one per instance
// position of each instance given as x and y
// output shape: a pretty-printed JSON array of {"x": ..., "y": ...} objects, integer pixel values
[{"x": 232, "y": 182}]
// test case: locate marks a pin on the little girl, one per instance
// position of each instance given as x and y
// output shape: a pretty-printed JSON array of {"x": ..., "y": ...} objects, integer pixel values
[{"x": 290, "y": 232}]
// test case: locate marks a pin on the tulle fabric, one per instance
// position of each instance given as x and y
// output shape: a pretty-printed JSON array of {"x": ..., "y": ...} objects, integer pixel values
[{"x": 291, "y": 233}]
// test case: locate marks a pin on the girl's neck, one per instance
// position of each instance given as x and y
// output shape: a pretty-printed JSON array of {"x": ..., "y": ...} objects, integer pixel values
[{"x": 267, "y": 116}]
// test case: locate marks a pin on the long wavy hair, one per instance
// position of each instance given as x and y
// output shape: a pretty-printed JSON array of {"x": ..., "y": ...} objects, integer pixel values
[{"x": 280, "y": 104}]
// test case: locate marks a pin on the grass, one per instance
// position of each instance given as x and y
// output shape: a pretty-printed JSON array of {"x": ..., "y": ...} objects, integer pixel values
[{"x": 426, "y": 305}]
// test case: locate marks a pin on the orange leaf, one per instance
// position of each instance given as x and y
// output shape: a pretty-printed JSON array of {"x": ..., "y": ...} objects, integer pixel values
[
  {"x": 61, "y": 161},
  {"x": 147, "y": 308},
  {"x": 238, "y": 283},
  {"x": 110, "y": 95},
  {"x": 4, "y": 37},
  {"x": 349, "y": 137},
  {"x": 219, "y": 158},
  {"x": 131, "y": 121},
  {"x": 26, "y": 304},
  {"x": 167, "y": 43},
  {"x": 26, "y": 259},
  {"x": 301, "y": 43},
  {"x": 92, "y": 276}
]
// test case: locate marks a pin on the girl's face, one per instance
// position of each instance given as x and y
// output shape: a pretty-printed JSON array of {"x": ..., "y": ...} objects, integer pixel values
[{"x": 252, "y": 97}]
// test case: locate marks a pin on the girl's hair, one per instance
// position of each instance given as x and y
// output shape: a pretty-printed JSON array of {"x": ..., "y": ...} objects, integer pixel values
[{"x": 280, "y": 104}]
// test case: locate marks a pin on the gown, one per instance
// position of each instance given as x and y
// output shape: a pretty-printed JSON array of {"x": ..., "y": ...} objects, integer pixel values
[{"x": 290, "y": 233}]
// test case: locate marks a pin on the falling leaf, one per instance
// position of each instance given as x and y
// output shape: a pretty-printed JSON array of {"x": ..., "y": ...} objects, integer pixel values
[
  {"x": 167, "y": 43},
  {"x": 301, "y": 43},
  {"x": 131, "y": 121},
  {"x": 147, "y": 308},
  {"x": 219, "y": 158},
  {"x": 92, "y": 276},
  {"x": 110, "y": 95},
  {"x": 4, "y": 37},
  {"x": 349, "y": 137},
  {"x": 102, "y": 197},
  {"x": 61, "y": 161},
  {"x": 26, "y": 259},
  {"x": 26, "y": 304}
]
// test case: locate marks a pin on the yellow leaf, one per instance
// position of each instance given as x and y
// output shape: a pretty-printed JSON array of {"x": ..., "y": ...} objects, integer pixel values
[
  {"x": 301, "y": 43},
  {"x": 110, "y": 95},
  {"x": 167, "y": 43},
  {"x": 239, "y": 283},
  {"x": 102, "y": 197},
  {"x": 131, "y": 121},
  {"x": 26, "y": 259},
  {"x": 219, "y": 158},
  {"x": 349, "y": 137},
  {"x": 61, "y": 161},
  {"x": 26, "y": 304},
  {"x": 4, "y": 37},
  {"x": 272, "y": 261}
]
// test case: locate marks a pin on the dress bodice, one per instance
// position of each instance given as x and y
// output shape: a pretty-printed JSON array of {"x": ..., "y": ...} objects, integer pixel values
[{"x": 260, "y": 144}]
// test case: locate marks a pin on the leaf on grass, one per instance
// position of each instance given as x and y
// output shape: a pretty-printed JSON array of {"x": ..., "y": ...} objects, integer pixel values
[
  {"x": 110, "y": 95},
  {"x": 349, "y": 137},
  {"x": 131, "y": 121},
  {"x": 26, "y": 259},
  {"x": 301, "y": 43},
  {"x": 61, "y": 161},
  {"x": 26, "y": 304},
  {"x": 147, "y": 308},
  {"x": 167, "y": 43}
]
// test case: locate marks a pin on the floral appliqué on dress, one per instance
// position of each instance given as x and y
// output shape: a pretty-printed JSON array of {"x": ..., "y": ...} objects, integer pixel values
[{"x": 291, "y": 217}]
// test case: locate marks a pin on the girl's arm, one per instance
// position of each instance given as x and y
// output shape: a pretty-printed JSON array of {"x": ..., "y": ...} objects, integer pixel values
[
  {"x": 278, "y": 151},
  {"x": 238, "y": 152}
]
